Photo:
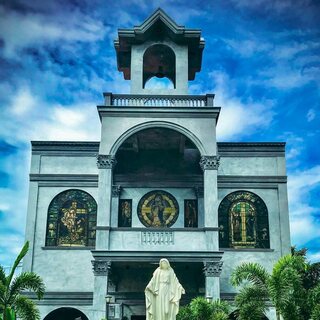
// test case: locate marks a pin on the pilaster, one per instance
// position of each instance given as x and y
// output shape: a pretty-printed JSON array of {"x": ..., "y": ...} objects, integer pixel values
[
  {"x": 105, "y": 165},
  {"x": 209, "y": 165},
  {"x": 212, "y": 271},
  {"x": 101, "y": 270}
]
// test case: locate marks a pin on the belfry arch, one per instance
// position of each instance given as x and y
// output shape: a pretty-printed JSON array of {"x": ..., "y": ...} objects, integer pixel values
[{"x": 159, "y": 61}]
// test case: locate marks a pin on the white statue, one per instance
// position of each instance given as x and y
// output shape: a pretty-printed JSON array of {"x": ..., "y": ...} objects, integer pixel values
[{"x": 163, "y": 293}]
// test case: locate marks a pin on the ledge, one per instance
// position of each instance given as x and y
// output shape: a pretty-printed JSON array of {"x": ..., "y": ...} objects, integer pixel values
[
  {"x": 68, "y": 248},
  {"x": 142, "y": 229},
  {"x": 155, "y": 256},
  {"x": 247, "y": 249}
]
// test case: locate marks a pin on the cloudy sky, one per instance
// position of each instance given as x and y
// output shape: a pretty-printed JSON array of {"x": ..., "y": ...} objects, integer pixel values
[{"x": 262, "y": 60}]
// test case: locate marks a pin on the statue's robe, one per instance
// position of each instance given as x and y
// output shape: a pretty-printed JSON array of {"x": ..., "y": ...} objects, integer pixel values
[{"x": 163, "y": 294}]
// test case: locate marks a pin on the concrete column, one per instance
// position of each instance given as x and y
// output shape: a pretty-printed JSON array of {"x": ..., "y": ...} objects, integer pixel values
[
  {"x": 101, "y": 270},
  {"x": 116, "y": 191},
  {"x": 199, "y": 194},
  {"x": 31, "y": 225},
  {"x": 284, "y": 219},
  {"x": 212, "y": 271},
  {"x": 105, "y": 164},
  {"x": 209, "y": 165}
]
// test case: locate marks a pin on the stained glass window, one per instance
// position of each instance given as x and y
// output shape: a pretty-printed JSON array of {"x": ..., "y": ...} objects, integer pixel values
[
  {"x": 72, "y": 217},
  {"x": 243, "y": 221}
]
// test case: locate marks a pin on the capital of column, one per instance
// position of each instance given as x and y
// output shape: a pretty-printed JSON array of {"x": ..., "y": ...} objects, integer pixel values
[
  {"x": 116, "y": 191},
  {"x": 212, "y": 268},
  {"x": 101, "y": 267},
  {"x": 106, "y": 161},
  {"x": 209, "y": 162}
]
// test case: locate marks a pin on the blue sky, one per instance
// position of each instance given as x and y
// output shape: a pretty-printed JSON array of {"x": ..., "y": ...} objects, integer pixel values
[{"x": 262, "y": 60}]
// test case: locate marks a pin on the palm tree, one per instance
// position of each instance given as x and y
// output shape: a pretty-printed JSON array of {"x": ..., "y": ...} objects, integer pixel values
[
  {"x": 283, "y": 287},
  {"x": 12, "y": 302}
]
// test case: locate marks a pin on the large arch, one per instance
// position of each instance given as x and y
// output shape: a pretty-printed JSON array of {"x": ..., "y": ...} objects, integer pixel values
[
  {"x": 157, "y": 124},
  {"x": 66, "y": 313}
]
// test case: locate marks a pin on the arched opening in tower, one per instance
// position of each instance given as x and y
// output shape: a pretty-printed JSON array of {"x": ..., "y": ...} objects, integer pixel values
[{"x": 159, "y": 65}]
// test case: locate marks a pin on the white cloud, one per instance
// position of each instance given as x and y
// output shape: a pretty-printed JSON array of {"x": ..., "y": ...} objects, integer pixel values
[
  {"x": 24, "y": 30},
  {"x": 314, "y": 257},
  {"x": 311, "y": 115},
  {"x": 238, "y": 118},
  {"x": 304, "y": 226}
]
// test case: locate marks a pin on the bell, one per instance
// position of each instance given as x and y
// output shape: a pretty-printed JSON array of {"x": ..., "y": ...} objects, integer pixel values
[{"x": 160, "y": 73}]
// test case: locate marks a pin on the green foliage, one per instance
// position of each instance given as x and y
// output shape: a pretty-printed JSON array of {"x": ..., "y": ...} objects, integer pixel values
[
  {"x": 185, "y": 313},
  {"x": 12, "y": 302},
  {"x": 292, "y": 288},
  {"x": 252, "y": 272},
  {"x": 200, "y": 309},
  {"x": 251, "y": 302}
]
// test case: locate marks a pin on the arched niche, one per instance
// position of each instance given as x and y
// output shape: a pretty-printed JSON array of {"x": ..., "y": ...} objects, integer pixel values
[
  {"x": 66, "y": 313},
  {"x": 159, "y": 61}
]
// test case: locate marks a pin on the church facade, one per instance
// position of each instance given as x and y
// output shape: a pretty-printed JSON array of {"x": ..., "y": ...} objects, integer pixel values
[{"x": 157, "y": 185}]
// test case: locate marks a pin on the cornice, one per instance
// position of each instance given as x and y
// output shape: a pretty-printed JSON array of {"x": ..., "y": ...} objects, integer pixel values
[{"x": 162, "y": 112}]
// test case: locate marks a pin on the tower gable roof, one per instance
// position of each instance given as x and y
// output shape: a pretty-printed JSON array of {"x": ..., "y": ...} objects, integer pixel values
[{"x": 158, "y": 26}]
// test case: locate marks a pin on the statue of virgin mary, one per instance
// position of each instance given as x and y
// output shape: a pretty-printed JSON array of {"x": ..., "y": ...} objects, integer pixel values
[{"x": 163, "y": 293}]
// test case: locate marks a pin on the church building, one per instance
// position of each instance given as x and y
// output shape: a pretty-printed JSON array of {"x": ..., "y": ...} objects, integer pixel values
[{"x": 157, "y": 185}]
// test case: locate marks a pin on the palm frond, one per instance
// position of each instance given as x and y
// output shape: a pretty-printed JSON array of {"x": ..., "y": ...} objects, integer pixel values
[
  {"x": 296, "y": 262},
  {"x": 22, "y": 253},
  {"x": 26, "y": 309},
  {"x": 3, "y": 278},
  {"x": 27, "y": 281},
  {"x": 251, "y": 302},
  {"x": 252, "y": 272}
]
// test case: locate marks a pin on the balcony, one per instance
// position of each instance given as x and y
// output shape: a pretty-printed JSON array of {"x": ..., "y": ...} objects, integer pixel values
[{"x": 138, "y": 100}]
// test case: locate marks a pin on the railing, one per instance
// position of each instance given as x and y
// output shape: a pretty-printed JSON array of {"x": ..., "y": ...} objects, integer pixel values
[
  {"x": 157, "y": 237},
  {"x": 137, "y": 100}
]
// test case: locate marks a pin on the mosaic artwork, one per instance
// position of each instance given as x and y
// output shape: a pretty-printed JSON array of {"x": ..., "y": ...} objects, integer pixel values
[
  {"x": 72, "y": 218},
  {"x": 243, "y": 221},
  {"x": 125, "y": 213},
  {"x": 191, "y": 213},
  {"x": 158, "y": 209}
]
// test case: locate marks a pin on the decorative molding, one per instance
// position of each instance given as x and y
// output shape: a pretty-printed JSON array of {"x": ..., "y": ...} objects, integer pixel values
[
  {"x": 67, "y": 248},
  {"x": 247, "y": 249},
  {"x": 209, "y": 162},
  {"x": 101, "y": 267},
  {"x": 157, "y": 237},
  {"x": 63, "y": 298},
  {"x": 143, "y": 229},
  {"x": 65, "y": 148},
  {"x": 155, "y": 255},
  {"x": 212, "y": 268},
  {"x": 116, "y": 191},
  {"x": 251, "y": 149},
  {"x": 163, "y": 112},
  {"x": 106, "y": 161},
  {"x": 199, "y": 191}
]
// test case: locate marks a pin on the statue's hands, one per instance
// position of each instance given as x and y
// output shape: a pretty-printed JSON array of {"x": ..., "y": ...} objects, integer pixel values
[{"x": 183, "y": 291}]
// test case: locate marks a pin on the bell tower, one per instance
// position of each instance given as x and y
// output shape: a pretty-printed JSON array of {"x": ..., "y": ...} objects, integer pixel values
[{"x": 158, "y": 49}]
